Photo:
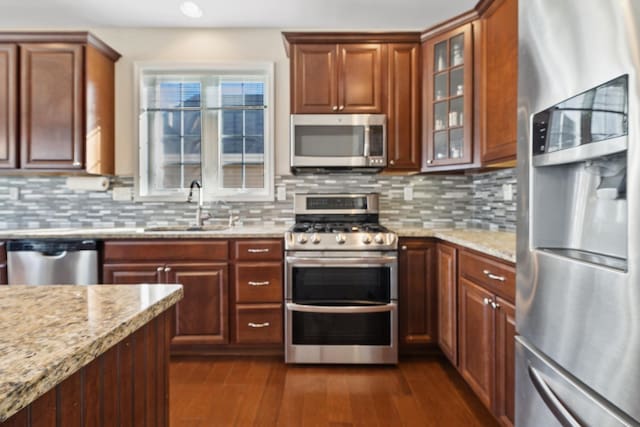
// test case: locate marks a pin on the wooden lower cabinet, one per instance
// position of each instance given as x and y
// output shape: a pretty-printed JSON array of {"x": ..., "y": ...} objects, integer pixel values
[
  {"x": 487, "y": 330},
  {"x": 126, "y": 386},
  {"x": 447, "y": 301},
  {"x": 504, "y": 407},
  {"x": 132, "y": 274},
  {"x": 416, "y": 294},
  {"x": 3, "y": 264},
  {"x": 201, "y": 316},
  {"x": 259, "y": 324},
  {"x": 477, "y": 327}
]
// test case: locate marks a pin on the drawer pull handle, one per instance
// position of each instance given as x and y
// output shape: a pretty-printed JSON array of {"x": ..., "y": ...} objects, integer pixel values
[
  {"x": 265, "y": 283},
  {"x": 492, "y": 276},
  {"x": 258, "y": 325},
  {"x": 258, "y": 251}
]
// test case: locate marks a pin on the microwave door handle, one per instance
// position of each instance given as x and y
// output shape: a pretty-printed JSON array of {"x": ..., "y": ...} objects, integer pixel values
[
  {"x": 367, "y": 142},
  {"x": 346, "y": 309}
]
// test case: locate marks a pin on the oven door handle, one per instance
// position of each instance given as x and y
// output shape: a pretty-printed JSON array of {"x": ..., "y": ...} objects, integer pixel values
[
  {"x": 346, "y": 309},
  {"x": 347, "y": 262}
]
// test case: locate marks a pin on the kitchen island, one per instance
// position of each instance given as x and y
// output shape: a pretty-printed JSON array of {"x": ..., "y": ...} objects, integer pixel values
[{"x": 85, "y": 355}]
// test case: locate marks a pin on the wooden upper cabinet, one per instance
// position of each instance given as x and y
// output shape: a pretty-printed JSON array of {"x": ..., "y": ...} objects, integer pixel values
[
  {"x": 314, "y": 77},
  {"x": 51, "y": 95},
  {"x": 337, "y": 78},
  {"x": 65, "y": 86},
  {"x": 8, "y": 105},
  {"x": 403, "y": 107},
  {"x": 360, "y": 80},
  {"x": 498, "y": 81},
  {"x": 448, "y": 99}
]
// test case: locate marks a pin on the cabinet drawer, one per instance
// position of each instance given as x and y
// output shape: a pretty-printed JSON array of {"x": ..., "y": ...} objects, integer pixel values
[
  {"x": 258, "y": 250},
  {"x": 258, "y": 282},
  {"x": 496, "y": 276},
  {"x": 166, "y": 250},
  {"x": 259, "y": 324}
]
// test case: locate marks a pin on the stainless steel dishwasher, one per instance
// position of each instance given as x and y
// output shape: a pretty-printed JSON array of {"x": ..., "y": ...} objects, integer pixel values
[{"x": 52, "y": 262}]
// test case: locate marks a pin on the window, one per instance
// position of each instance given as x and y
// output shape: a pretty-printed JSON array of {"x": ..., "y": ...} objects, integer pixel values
[{"x": 207, "y": 123}]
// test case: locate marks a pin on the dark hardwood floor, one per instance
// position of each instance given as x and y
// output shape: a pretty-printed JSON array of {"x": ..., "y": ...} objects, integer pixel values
[{"x": 262, "y": 391}]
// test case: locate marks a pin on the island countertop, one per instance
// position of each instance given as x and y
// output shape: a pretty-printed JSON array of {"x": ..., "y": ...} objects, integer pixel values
[{"x": 49, "y": 332}]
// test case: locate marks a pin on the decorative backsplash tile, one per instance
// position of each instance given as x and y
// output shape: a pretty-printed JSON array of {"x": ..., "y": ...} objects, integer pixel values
[{"x": 438, "y": 201}]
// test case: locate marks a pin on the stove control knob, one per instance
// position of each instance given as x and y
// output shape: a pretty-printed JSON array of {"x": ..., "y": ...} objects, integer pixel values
[
  {"x": 366, "y": 239},
  {"x": 315, "y": 239},
  {"x": 341, "y": 238},
  {"x": 379, "y": 239},
  {"x": 302, "y": 239}
]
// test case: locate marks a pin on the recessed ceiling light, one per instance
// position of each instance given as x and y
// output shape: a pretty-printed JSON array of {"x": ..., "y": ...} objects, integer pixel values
[{"x": 190, "y": 9}]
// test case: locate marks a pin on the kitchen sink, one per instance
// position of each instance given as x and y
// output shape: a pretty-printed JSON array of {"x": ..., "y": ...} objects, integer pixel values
[{"x": 187, "y": 228}]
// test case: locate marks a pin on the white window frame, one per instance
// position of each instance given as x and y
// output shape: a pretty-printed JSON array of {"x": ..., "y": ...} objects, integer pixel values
[{"x": 210, "y": 153}]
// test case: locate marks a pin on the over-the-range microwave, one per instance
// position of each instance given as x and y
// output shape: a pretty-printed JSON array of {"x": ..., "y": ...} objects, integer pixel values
[{"x": 338, "y": 142}]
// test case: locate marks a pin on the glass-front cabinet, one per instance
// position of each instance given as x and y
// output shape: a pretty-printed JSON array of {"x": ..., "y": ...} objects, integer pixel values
[{"x": 448, "y": 86}]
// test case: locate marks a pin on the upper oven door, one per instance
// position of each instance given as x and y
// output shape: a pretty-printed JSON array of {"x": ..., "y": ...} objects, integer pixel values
[
  {"x": 338, "y": 140},
  {"x": 348, "y": 278}
]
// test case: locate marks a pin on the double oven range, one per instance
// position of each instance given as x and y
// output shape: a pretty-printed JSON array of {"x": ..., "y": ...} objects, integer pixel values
[{"x": 341, "y": 292}]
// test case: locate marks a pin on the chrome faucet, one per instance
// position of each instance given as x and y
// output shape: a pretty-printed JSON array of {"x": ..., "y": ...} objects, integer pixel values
[{"x": 200, "y": 216}]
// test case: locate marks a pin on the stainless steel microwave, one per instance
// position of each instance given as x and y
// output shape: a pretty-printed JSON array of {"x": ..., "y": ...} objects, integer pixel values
[{"x": 338, "y": 141}]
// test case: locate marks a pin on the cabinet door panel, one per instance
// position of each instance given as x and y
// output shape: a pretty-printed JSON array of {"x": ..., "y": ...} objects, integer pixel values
[
  {"x": 8, "y": 105},
  {"x": 403, "y": 107},
  {"x": 132, "y": 274},
  {"x": 447, "y": 303},
  {"x": 505, "y": 359},
  {"x": 416, "y": 304},
  {"x": 201, "y": 316},
  {"x": 476, "y": 339},
  {"x": 499, "y": 81},
  {"x": 360, "y": 78},
  {"x": 314, "y": 75},
  {"x": 51, "y": 104}
]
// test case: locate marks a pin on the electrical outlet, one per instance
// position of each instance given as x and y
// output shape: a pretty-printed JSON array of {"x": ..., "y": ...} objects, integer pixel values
[
  {"x": 408, "y": 193},
  {"x": 507, "y": 192},
  {"x": 282, "y": 193},
  {"x": 122, "y": 194},
  {"x": 14, "y": 193}
]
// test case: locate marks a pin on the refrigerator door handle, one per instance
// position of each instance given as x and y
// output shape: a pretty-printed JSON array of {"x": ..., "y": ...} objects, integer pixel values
[{"x": 551, "y": 400}]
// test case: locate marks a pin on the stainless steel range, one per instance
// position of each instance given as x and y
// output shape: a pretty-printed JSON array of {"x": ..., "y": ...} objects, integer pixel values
[{"x": 341, "y": 273}]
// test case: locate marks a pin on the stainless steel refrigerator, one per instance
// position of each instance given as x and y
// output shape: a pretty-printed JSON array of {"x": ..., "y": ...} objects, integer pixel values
[{"x": 578, "y": 255}]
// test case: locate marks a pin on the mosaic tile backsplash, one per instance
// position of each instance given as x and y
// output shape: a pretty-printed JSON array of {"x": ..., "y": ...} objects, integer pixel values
[{"x": 460, "y": 201}]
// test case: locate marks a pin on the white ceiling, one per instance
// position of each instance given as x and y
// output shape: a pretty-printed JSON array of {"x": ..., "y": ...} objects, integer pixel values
[{"x": 282, "y": 14}]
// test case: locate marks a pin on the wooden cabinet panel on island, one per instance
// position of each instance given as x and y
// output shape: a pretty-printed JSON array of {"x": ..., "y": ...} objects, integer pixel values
[
  {"x": 417, "y": 294},
  {"x": 71, "y": 71}
]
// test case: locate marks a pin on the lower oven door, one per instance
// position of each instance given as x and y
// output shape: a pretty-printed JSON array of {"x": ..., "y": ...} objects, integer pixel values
[{"x": 341, "y": 334}]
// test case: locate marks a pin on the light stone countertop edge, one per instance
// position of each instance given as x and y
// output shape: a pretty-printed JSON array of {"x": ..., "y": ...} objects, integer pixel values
[
  {"x": 499, "y": 244},
  {"x": 23, "y": 393}
]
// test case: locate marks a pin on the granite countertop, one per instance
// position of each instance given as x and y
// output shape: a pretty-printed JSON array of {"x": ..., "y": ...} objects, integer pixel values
[
  {"x": 50, "y": 332},
  {"x": 500, "y": 244},
  {"x": 269, "y": 231}
]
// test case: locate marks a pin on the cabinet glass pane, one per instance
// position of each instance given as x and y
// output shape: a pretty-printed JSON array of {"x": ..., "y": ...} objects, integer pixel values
[
  {"x": 440, "y": 56},
  {"x": 456, "y": 78},
  {"x": 457, "y": 50},
  {"x": 440, "y": 115},
  {"x": 456, "y": 113},
  {"x": 456, "y": 138},
  {"x": 440, "y": 85},
  {"x": 441, "y": 145}
]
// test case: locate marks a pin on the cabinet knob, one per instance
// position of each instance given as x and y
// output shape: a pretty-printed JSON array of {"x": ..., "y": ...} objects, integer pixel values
[
  {"x": 392, "y": 162},
  {"x": 76, "y": 164},
  {"x": 341, "y": 108},
  {"x": 159, "y": 269},
  {"x": 335, "y": 108},
  {"x": 404, "y": 247},
  {"x": 429, "y": 161},
  {"x": 167, "y": 269},
  {"x": 487, "y": 301}
]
